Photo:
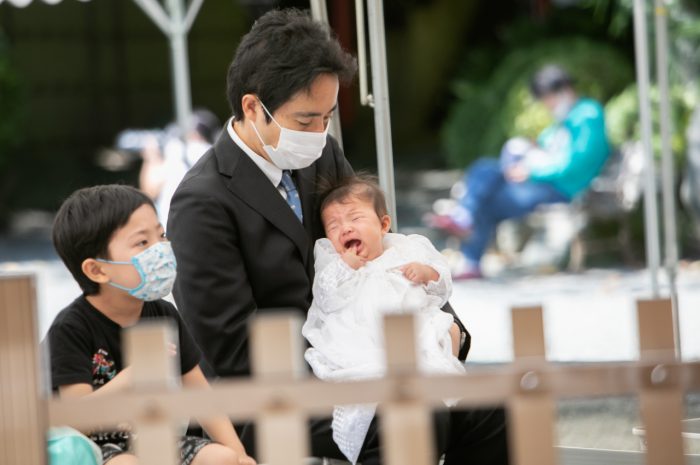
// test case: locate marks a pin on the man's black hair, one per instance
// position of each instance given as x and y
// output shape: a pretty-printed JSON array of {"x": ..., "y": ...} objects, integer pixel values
[
  {"x": 87, "y": 221},
  {"x": 284, "y": 52},
  {"x": 550, "y": 79}
]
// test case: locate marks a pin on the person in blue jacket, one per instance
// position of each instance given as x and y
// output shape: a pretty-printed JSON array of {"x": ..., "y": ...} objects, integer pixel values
[{"x": 568, "y": 155}]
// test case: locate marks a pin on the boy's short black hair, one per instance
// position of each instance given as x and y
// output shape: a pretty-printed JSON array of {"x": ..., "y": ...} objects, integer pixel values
[
  {"x": 86, "y": 222},
  {"x": 363, "y": 186},
  {"x": 284, "y": 52}
]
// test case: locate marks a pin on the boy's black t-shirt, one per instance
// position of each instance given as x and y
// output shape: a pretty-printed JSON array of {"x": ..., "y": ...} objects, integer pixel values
[{"x": 85, "y": 345}]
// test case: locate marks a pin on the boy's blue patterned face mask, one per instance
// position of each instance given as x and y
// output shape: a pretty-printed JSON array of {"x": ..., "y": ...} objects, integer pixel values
[{"x": 157, "y": 268}]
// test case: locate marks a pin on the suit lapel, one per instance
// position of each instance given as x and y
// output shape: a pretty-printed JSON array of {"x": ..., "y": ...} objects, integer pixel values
[{"x": 250, "y": 185}]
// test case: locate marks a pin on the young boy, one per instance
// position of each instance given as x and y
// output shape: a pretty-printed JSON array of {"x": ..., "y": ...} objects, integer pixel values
[
  {"x": 111, "y": 241},
  {"x": 362, "y": 273}
]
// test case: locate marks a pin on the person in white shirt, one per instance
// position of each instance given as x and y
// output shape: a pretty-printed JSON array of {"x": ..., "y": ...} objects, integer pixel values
[{"x": 162, "y": 171}]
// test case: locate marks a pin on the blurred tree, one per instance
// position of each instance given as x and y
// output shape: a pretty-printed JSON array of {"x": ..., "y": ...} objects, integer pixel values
[
  {"x": 622, "y": 114},
  {"x": 684, "y": 67},
  {"x": 10, "y": 115},
  {"x": 422, "y": 56}
]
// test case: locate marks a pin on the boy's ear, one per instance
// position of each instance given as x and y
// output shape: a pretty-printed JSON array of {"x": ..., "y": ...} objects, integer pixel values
[
  {"x": 93, "y": 270},
  {"x": 386, "y": 223}
]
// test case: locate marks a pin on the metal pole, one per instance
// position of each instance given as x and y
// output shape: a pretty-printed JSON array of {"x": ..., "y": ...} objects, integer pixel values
[
  {"x": 180, "y": 64},
  {"x": 192, "y": 13},
  {"x": 667, "y": 171},
  {"x": 366, "y": 98},
  {"x": 319, "y": 13},
  {"x": 154, "y": 10},
  {"x": 651, "y": 221},
  {"x": 380, "y": 90}
]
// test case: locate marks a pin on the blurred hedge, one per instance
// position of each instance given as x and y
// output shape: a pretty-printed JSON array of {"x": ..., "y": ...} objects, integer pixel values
[{"x": 622, "y": 114}]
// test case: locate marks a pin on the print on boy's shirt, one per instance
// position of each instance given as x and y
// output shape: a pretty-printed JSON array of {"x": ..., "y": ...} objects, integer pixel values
[{"x": 102, "y": 368}]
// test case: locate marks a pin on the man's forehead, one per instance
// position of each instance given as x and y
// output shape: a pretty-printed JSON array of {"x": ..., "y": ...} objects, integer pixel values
[{"x": 309, "y": 110}]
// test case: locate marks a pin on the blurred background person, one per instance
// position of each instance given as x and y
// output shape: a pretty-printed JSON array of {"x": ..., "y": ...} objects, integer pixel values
[
  {"x": 162, "y": 170},
  {"x": 567, "y": 156}
]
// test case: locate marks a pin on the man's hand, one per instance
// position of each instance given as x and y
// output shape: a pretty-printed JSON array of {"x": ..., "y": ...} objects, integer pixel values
[
  {"x": 353, "y": 260},
  {"x": 517, "y": 173},
  {"x": 419, "y": 273}
]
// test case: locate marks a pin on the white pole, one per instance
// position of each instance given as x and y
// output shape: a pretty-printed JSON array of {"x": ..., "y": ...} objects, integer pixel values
[
  {"x": 667, "y": 171},
  {"x": 365, "y": 96},
  {"x": 180, "y": 64},
  {"x": 175, "y": 27},
  {"x": 380, "y": 91},
  {"x": 651, "y": 221},
  {"x": 319, "y": 13},
  {"x": 154, "y": 10}
]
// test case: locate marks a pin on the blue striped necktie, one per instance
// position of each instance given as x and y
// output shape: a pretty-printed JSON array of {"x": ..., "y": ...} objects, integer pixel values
[{"x": 292, "y": 194}]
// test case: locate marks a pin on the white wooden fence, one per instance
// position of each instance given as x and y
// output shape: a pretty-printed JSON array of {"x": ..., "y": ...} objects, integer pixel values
[{"x": 280, "y": 396}]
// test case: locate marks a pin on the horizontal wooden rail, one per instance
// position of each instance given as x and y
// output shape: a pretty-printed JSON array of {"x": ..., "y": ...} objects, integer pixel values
[{"x": 243, "y": 399}]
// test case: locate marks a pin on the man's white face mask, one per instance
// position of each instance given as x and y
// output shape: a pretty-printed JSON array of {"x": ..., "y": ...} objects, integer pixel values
[{"x": 295, "y": 149}]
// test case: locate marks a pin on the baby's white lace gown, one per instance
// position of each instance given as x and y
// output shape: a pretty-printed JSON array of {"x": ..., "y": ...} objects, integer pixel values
[{"x": 344, "y": 323}]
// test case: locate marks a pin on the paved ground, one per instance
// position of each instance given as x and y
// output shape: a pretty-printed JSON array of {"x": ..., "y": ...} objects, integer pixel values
[{"x": 588, "y": 317}]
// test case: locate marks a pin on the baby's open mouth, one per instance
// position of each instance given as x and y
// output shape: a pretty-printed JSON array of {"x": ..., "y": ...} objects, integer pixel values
[{"x": 352, "y": 243}]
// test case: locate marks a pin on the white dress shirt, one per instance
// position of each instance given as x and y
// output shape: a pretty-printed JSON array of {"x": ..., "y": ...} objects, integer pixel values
[{"x": 271, "y": 172}]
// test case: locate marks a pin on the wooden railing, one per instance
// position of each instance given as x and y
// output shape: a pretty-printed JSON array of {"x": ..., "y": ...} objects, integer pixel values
[{"x": 280, "y": 395}]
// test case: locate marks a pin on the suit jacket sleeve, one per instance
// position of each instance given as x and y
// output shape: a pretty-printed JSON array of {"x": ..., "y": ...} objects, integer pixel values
[{"x": 211, "y": 289}]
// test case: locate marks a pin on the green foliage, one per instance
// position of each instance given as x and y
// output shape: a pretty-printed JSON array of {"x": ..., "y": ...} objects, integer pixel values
[
  {"x": 489, "y": 110},
  {"x": 421, "y": 59},
  {"x": 622, "y": 115}
]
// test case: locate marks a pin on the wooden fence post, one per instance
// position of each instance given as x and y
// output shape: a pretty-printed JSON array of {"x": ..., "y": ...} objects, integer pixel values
[
  {"x": 277, "y": 356},
  {"x": 407, "y": 431},
  {"x": 22, "y": 413},
  {"x": 153, "y": 369},
  {"x": 531, "y": 411},
  {"x": 661, "y": 398}
]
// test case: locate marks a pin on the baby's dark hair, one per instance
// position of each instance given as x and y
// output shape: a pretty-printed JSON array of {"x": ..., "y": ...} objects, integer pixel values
[
  {"x": 361, "y": 185},
  {"x": 86, "y": 222}
]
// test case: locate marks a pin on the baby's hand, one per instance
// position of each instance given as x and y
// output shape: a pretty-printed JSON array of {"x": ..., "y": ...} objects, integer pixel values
[
  {"x": 418, "y": 273},
  {"x": 353, "y": 260}
]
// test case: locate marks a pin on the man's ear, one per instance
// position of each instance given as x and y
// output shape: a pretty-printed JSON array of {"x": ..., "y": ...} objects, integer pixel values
[
  {"x": 251, "y": 106},
  {"x": 386, "y": 223},
  {"x": 93, "y": 270}
]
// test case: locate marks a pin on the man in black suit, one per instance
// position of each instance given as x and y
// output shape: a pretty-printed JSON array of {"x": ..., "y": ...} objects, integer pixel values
[{"x": 244, "y": 220}]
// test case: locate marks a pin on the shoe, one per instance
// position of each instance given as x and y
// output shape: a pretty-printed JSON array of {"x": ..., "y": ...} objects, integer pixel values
[
  {"x": 469, "y": 274},
  {"x": 446, "y": 223}
]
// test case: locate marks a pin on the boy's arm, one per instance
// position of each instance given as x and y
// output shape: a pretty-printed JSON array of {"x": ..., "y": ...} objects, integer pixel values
[
  {"x": 117, "y": 384},
  {"x": 219, "y": 428}
]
